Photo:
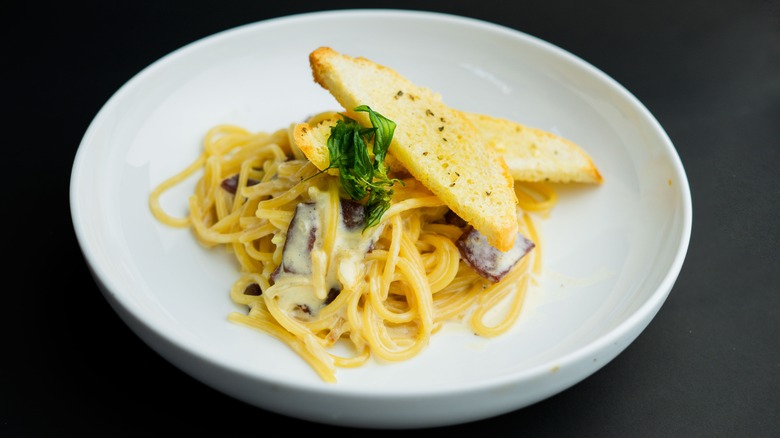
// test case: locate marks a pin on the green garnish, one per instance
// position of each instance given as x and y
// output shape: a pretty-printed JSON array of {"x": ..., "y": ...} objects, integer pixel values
[{"x": 348, "y": 150}]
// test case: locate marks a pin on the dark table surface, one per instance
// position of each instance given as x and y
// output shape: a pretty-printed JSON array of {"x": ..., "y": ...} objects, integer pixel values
[{"x": 707, "y": 365}]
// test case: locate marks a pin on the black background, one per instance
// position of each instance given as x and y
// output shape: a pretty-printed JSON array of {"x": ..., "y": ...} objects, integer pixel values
[{"x": 707, "y": 365}]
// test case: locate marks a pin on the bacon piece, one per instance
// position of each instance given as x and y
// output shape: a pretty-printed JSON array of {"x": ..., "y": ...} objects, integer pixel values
[{"x": 486, "y": 259}]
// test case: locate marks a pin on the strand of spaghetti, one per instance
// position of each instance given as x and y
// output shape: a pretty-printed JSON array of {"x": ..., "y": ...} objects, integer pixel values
[
  {"x": 259, "y": 249},
  {"x": 423, "y": 302},
  {"x": 382, "y": 344},
  {"x": 377, "y": 296},
  {"x": 263, "y": 257},
  {"x": 220, "y": 138},
  {"x": 205, "y": 189},
  {"x": 249, "y": 220},
  {"x": 231, "y": 164},
  {"x": 297, "y": 170},
  {"x": 411, "y": 224},
  {"x": 335, "y": 331},
  {"x": 513, "y": 283},
  {"x": 533, "y": 234},
  {"x": 204, "y": 232},
  {"x": 291, "y": 324},
  {"x": 339, "y": 304},
  {"x": 274, "y": 151},
  {"x": 319, "y": 351},
  {"x": 154, "y": 197},
  {"x": 409, "y": 252},
  {"x": 348, "y": 305},
  {"x": 278, "y": 218},
  {"x": 310, "y": 343},
  {"x": 324, "y": 370},
  {"x": 250, "y": 234},
  {"x": 251, "y": 150},
  {"x": 224, "y": 140},
  {"x": 465, "y": 278},
  {"x": 285, "y": 198},
  {"x": 355, "y": 361},
  {"x": 270, "y": 173},
  {"x": 222, "y": 207},
  {"x": 298, "y": 327},
  {"x": 354, "y": 315},
  {"x": 535, "y": 196},
  {"x": 451, "y": 305},
  {"x": 322, "y": 323},
  {"x": 408, "y": 204},
  {"x": 243, "y": 177},
  {"x": 247, "y": 263},
  {"x": 278, "y": 249},
  {"x": 420, "y": 299},
  {"x": 498, "y": 291},
  {"x": 237, "y": 291},
  {"x": 391, "y": 258},
  {"x": 445, "y": 265},
  {"x": 331, "y": 219},
  {"x": 226, "y": 220},
  {"x": 266, "y": 188},
  {"x": 451, "y": 232},
  {"x": 224, "y": 165}
]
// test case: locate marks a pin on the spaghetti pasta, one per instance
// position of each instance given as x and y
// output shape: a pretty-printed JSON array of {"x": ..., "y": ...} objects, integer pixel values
[{"x": 382, "y": 292}]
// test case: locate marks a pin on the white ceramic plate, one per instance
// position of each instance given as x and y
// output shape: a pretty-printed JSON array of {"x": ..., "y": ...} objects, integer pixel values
[{"x": 612, "y": 253}]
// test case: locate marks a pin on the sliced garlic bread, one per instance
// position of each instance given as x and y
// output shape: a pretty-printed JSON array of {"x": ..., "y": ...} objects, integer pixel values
[
  {"x": 530, "y": 154},
  {"x": 437, "y": 145},
  {"x": 536, "y": 155}
]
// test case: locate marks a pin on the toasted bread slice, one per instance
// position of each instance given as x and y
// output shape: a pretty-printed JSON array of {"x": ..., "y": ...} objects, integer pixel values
[
  {"x": 312, "y": 139},
  {"x": 531, "y": 154},
  {"x": 536, "y": 155},
  {"x": 436, "y": 144}
]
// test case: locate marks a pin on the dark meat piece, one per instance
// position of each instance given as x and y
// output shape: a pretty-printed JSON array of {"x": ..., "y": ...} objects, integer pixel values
[
  {"x": 332, "y": 294},
  {"x": 231, "y": 183},
  {"x": 485, "y": 259},
  {"x": 253, "y": 289},
  {"x": 353, "y": 214},
  {"x": 302, "y": 233},
  {"x": 453, "y": 219},
  {"x": 296, "y": 254}
]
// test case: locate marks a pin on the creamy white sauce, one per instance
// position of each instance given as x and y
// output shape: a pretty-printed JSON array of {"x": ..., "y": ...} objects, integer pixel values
[
  {"x": 309, "y": 274},
  {"x": 297, "y": 257}
]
